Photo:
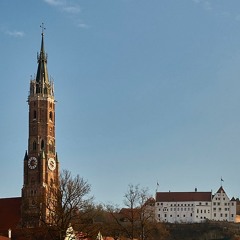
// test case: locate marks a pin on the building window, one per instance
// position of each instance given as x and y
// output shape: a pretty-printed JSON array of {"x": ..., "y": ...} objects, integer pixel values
[
  {"x": 34, "y": 114},
  {"x": 34, "y": 145},
  {"x": 51, "y": 116},
  {"x": 42, "y": 145},
  {"x": 214, "y": 214}
]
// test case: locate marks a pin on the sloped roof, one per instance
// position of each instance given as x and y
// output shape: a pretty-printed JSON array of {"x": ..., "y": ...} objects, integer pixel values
[
  {"x": 4, "y": 238},
  {"x": 10, "y": 213},
  {"x": 183, "y": 196},
  {"x": 220, "y": 190}
]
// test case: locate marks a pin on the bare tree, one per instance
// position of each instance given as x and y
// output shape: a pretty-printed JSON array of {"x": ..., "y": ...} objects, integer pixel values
[
  {"x": 137, "y": 220},
  {"x": 67, "y": 204}
]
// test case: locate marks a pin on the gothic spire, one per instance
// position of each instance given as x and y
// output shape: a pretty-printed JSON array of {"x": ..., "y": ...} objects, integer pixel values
[{"x": 42, "y": 73}]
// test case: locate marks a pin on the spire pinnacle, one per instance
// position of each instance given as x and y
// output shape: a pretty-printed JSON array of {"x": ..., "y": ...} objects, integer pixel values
[
  {"x": 42, "y": 84},
  {"x": 43, "y": 28},
  {"x": 42, "y": 73}
]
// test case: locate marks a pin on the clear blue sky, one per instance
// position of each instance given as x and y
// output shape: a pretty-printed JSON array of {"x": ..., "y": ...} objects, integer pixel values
[{"x": 147, "y": 91}]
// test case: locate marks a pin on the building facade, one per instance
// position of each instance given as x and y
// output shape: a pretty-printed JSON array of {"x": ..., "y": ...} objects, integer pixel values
[
  {"x": 41, "y": 165},
  {"x": 223, "y": 209},
  {"x": 193, "y": 207}
]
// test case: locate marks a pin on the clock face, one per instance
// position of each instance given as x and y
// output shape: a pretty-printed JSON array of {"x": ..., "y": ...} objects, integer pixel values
[
  {"x": 32, "y": 163},
  {"x": 51, "y": 164}
]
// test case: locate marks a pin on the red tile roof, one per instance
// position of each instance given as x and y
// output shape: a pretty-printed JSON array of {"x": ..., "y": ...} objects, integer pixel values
[
  {"x": 4, "y": 238},
  {"x": 10, "y": 213},
  {"x": 183, "y": 196}
]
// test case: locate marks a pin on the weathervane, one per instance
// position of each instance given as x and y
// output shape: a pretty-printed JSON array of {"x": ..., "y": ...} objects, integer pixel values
[{"x": 43, "y": 28}]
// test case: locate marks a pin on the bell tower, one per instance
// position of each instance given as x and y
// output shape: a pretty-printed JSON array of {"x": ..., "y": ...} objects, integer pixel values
[{"x": 41, "y": 166}]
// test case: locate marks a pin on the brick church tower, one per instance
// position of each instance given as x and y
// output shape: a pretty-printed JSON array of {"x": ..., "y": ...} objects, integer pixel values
[{"x": 41, "y": 166}]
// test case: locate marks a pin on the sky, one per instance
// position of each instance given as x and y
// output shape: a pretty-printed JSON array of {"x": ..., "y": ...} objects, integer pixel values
[{"x": 147, "y": 92}]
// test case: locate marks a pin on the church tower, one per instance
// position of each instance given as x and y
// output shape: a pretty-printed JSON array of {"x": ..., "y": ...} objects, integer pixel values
[{"x": 41, "y": 166}]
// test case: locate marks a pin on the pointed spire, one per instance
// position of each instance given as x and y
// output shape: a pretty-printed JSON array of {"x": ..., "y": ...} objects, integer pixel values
[
  {"x": 42, "y": 73},
  {"x": 56, "y": 157},
  {"x": 41, "y": 84},
  {"x": 26, "y": 156}
]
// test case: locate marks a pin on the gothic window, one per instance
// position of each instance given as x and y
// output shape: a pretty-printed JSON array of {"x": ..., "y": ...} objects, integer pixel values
[
  {"x": 50, "y": 116},
  {"x": 34, "y": 114},
  {"x": 42, "y": 145},
  {"x": 34, "y": 145}
]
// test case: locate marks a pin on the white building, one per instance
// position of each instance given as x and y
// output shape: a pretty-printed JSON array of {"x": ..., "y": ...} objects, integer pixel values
[
  {"x": 223, "y": 209},
  {"x": 194, "y": 206}
]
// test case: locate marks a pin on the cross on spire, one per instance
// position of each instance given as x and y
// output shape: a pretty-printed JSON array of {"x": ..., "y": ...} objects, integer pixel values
[{"x": 43, "y": 28}]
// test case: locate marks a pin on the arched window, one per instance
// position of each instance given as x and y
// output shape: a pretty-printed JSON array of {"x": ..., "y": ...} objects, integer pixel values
[
  {"x": 34, "y": 114},
  {"x": 34, "y": 145},
  {"x": 51, "y": 116},
  {"x": 42, "y": 145}
]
